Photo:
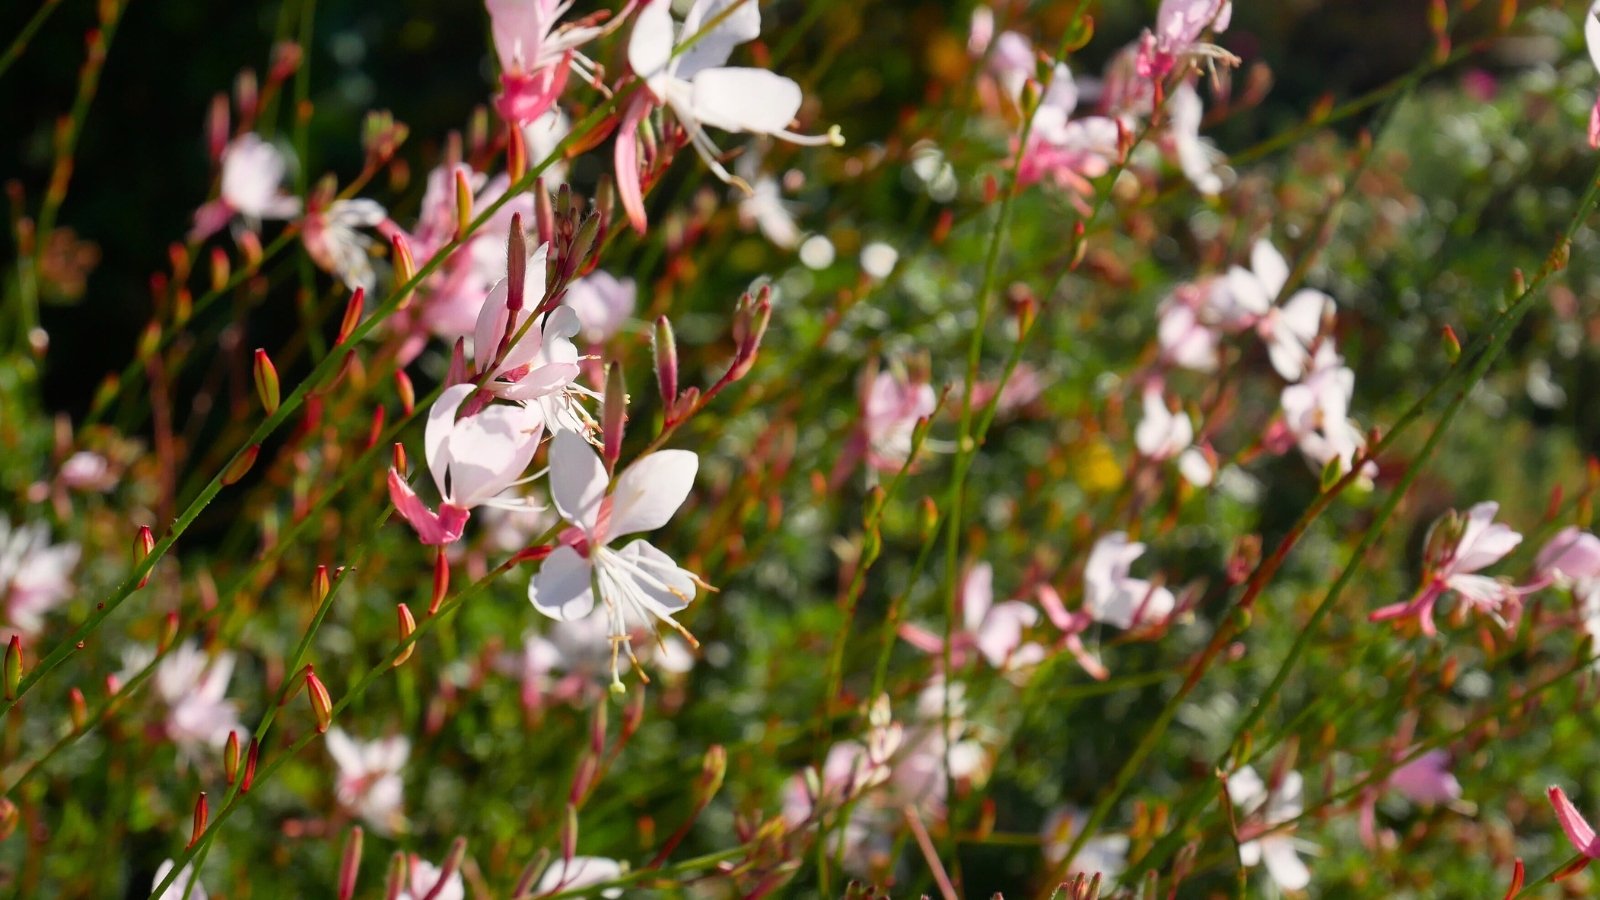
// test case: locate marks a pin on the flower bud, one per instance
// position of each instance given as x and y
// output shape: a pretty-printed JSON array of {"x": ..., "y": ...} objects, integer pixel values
[
  {"x": 399, "y": 876},
  {"x": 350, "y": 864},
  {"x": 8, "y": 817},
  {"x": 78, "y": 709},
  {"x": 321, "y": 702},
  {"x": 544, "y": 215},
  {"x": 217, "y": 127},
  {"x": 713, "y": 768},
  {"x": 408, "y": 393},
  {"x": 230, "y": 757},
  {"x": 463, "y": 204},
  {"x": 320, "y": 585},
  {"x": 441, "y": 581},
  {"x": 615, "y": 414},
  {"x": 169, "y": 632},
  {"x": 1452, "y": 344},
  {"x": 250, "y": 758},
  {"x": 516, "y": 153},
  {"x": 352, "y": 315},
  {"x": 241, "y": 465},
  {"x": 665, "y": 349},
  {"x": 201, "y": 814},
  {"x": 405, "y": 265},
  {"x": 219, "y": 269},
  {"x": 516, "y": 277},
  {"x": 266, "y": 382},
  {"x": 143, "y": 544},
  {"x": 408, "y": 626},
  {"x": 569, "y": 834},
  {"x": 399, "y": 458},
  {"x": 452, "y": 860}
]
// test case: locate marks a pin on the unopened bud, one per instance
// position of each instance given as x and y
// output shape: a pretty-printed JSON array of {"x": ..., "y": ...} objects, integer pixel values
[
  {"x": 352, "y": 315},
  {"x": 712, "y": 770},
  {"x": 321, "y": 702},
  {"x": 321, "y": 584},
  {"x": 241, "y": 465},
  {"x": 569, "y": 834},
  {"x": 230, "y": 757},
  {"x": 408, "y": 627},
  {"x": 143, "y": 543},
  {"x": 516, "y": 153},
  {"x": 201, "y": 815},
  {"x": 399, "y": 876},
  {"x": 350, "y": 864},
  {"x": 169, "y": 632},
  {"x": 665, "y": 348},
  {"x": 250, "y": 758},
  {"x": 405, "y": 265},
  {"x": 463, "y": 204},
  {"x": 408, "y": 394},
  {"x": 399, "y": 457},
  {"x": 1452, "y": 344},
  {"x": 78, "y": 709},
  {"x": 219, "y": 269},
  {"x": 516, "y": 275},
  {"x": 1079, "y": 32},
  {"x": 441, "y": 581},
  {"x": 8, "y": 817},
  {"x": 544, "y": 215},
  {"x": 266, "y": 382},
  {"x": 452, "y": 860},
  {"x": 1332, "y": 472},
  {"x": 615, "y": 414},
  {"x": 217, "y": 127},
  {"x": 928, "y": 521}
]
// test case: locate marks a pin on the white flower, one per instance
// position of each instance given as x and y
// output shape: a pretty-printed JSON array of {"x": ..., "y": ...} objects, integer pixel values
[
  {"x": 704, "y": 92},
  {"x": 765, "y": 207},
  {"x": 252, "y": 175},
  {"x": 35, "y": 577},
  {"x": 1112, "y": 597},
  {"x": 1196, "y": 157},
  {"x": 580, "y": 871},
  {"x": 1317, "y": 413},
  {"x": 542, "y": 136},
  {"x": 336, "y": 245},
  {"x": 176, "y": 890},
  {"x": 1246, "y": 300},
  {"x": 194, "y": 687},
  {"x": 637, "y": 584},
  {"x": 425, "y": 882},
  {"x": 1267, "y": 809},
  {"x": 368, "y": 783}
]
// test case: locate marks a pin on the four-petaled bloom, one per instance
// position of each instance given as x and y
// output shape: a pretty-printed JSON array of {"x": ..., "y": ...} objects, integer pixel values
[
  {"x": 473, "y": 461},
  {"x": 889, "y": 414},
  {"x": 535, "y": 54},
  {"x": 333, "y": 239},
  {"x": 194, "y": 688},
  {"x": 542, "y": 361},
  {"x": 700, "y": 89},
  {"x": 1264, "y": 809},
  {"x": 637, "y": 584},
  {"x": 252, "y": 174},
  {"x": 1457, "y": 548},
  {"x": 1179, "y": 24},
  {"x": 368, "y": 782},
  {"x": 1316, "y": 413}
]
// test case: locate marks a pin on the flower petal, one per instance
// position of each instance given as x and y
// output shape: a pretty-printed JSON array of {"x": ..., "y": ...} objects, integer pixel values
[
  {"x": 577, "y": 479},
  {"x": 651, "y": 490},
  {"x": 672, "y": 588},
  {"x": 436, "y": 436},
  {"x": 561, "y": 589},
  {"x": 742, "y": 99}
]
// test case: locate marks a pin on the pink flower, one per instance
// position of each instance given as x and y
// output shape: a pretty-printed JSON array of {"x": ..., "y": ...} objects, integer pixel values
[
  {"x": 603, "y": 302},
  {"x": 368, "y": 782},
  {"x": 1578, "y": 830},
  {"x": 1456, "y": 550},
  {"x": 701, "y": 90},
  {"x": 1176, "y": 38},
  {"x": 86, "y": 471},
  {"x": 993, "y": 631},
  {"x": 1263, "y": 809},
  {"x": 1067, "y": 151},
  {"x": 194, "y": 688},
  {"x": 35, "y": 576},
  {"x": 252, "y": 172},
  {"x": 638, "y": 585},
  {"x": 535, "y": 54},
  {"x": 543, "y": 360},
  {"x": 473, "y": 461},
  {"x": 1112, "y": 597},
  {"x": 1188, "y": 340},
  {"x": 1571, "y": 555},
  {"x": 890, "y": 410},
  {"x": 427, "y": 881},
  {"x": 1247, "y": 300}
]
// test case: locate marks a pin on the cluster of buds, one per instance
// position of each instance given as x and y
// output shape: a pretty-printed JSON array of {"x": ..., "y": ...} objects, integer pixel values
[{"x": 750, "y": 319}]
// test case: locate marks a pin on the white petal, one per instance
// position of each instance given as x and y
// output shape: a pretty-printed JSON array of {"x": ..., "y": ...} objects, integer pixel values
[
  {"x": 650, "y": 45},
  {"x": 715, "y": 46},
  {"x": 490, "y": 450},
  {"x": 436, "y": 436},
  {"x": 1591, "y": 33},
  {"x": 577, "y": 479},
  {"x": 675, "y": 587},
  {"x": 740, "y": 99},
  {"x": 650, "y": 491},
  {"x": 561, "y": 589},
  {"x": 977, "y": 595},
  {"x": 1284, "y": 864},
  {"x": 1268, "y": 265}
]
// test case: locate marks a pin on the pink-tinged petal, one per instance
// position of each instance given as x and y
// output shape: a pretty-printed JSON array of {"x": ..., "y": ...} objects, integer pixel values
[
  {"x": 629, "y": 189},
  {"x": 669, "y": 588},
  {"x": 209, "y": 219},
  {"x": 346, "y": 755},
  {"x": 490, "y": 450},
  {"x": 650, "y": 45},
  {"x": 1483, "y": 541},
  {"x": 561, "y": 588},
  {"x": 1594, "y": 126},
  {"x": 977, "y": 595},
  {"x": 431, "y": 528},
  {"x": 1302, "y": 314},
  {"x": 1000, "y": 637},
  {"x": 1427, "y": 779},
  {"x": 741, "y": 99},
  {"x": 1243, "y": 298},
  {"x": 577, "y": 480},
  {"x": 921, "y": 638},
  {"x": 436, "y": 434},
  {"x": 1579, "y": 833},
  {"x": 1572, "y": 553},
  {"x": 650, "y": 491},
  {"x": 540, "y": 382}
]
